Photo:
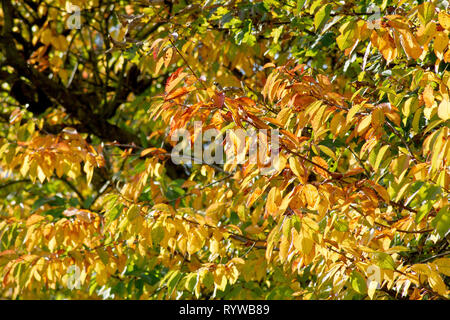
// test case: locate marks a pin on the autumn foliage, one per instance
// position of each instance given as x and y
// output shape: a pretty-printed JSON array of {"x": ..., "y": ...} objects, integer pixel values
[{"x": 93, "y": 207}]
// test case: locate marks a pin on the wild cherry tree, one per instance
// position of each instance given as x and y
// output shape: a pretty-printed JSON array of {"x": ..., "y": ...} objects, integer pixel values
[{"x": 351, "y": 202}]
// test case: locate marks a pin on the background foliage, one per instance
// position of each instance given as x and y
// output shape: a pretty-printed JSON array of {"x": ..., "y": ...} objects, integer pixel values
[{"x": 92, "y": 206}]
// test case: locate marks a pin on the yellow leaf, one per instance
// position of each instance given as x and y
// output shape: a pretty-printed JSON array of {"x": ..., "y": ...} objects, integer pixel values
[
  {"x": 284, "y": 248},
  {"x": 220, "y": 279},
  {"x": 410, "y": 44},
  {"x": 40, "y": 174},
  {"x": 377, "y": 117},
  {"x": 311, "y": 194},
  {"x": 214, "y": 212},
  {"x": 273, "y": 201},
  {"x": 443, "y": 265},
  {"x": 168, "y": 56},
  {"x": 421, "y": 268},
  {"x": 337, "y": 123},
  {"x": 133, "y": 212},
  {"x": 444, "y": 19},
  {"x": 351, "y": 113},
  {"x": 303, "y": 243},
  {"x": 440, "y": 44},
  {"x": 436, "y": 283},
  {"x": 159, "y": 65},
  {"x": 380, "y": 156},
  {"x": 327, "y": 151},
  {"x": 364, "y": 124},
  {"x": 194, "y": 242},
  {"x": 444, "y": 109},
  {"x": 89, "y": 170},
  {"x": 25, "y": 166},
  {"x": 384, "y": 42},
  {"x": 52, "y": 244},
  {"x": 296, "y": 167},
  {"x": 174, "y": 82}
]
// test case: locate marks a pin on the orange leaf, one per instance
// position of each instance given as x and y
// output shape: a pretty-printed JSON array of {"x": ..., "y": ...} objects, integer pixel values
[
  {"x": 179, "y": 92},
  {"x": 33, "y": 219},
  {"x": 428, "y": 96},
  {"x": 321, "y": 162}
]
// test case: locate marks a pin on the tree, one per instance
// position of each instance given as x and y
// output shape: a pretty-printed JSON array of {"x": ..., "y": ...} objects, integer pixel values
[{"x": 94, "y": 205}]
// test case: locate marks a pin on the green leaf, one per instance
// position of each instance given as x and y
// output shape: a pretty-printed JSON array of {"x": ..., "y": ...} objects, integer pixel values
[
  {"x": 103, "y": 255},
  {"x": 346, "y": 38},
  {"x": 173, "y": 281},
  {"x": 358, "y": 282},
  {"x": 423, "y": 211},
  {"x": 341, "y": 225},
  {"x": 300, "y": 4},
  {"x": 157, "y": 234},
  {"x": 276, "y": 33},
  {"x": 384, "y": 261},
  {"x": 191, "y": 281},
  {"x": 322, "y": 16},
  {"x": 442, "y": 221},
  {"x": 426, "y": 12},
  {"x": 208, "y": 280},
  {"x": 245, "y": 35},
  {"x": 133, "y": 212},
  {"x": 380, "y": 156}
]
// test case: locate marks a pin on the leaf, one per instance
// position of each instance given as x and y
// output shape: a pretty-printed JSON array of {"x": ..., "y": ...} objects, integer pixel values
[
  {"x": 174, "y": 79},
  {"x": 426, "y": 12},
  {"x": 444, "y": 19},
  {"x": 410, "y": 44},
  {"x": 328, "y": 152},
  {"x": 157, "y": 234},
  {"x": 168, "y": 56},
  {"x": 443, "y": 265},
  {"x": 428, "y": 96},
  {"x": 173, "y": 281},
  {"x": 133, "y": 212},
  {"x": 273, "y": 201},
  {"x": 284, "y": 248},
  {"x": 159, "y": 64},
  {"x": 322, "y": 16},
  {"x": 311, "y": 194},
  {"x": 323, "y": 164},
  {"x": 384, "y": 261},
  {"x": 382, "y": 192},
  {"x": 89, "y": 170},
  {"x": 33, "y": 219},
  {"x": 179, "y": 92},
  {"x": 436, "y": 283},
  {"x": 303, "y": 243},
  {"x": 444, "y": 109},
  {"x": 440, "y": 44},
  {"x": 358, "y": 282},
  {"x": 364, "y": 124},
  {"x": 104, "y": 257},
  {"x": 380, "y": 156},
  {"x": 377, "y": 117},
  {"x": 442, "y": 221},
  {"x": 385, "y": 43},
  {"x": 347, "y": 36}
]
